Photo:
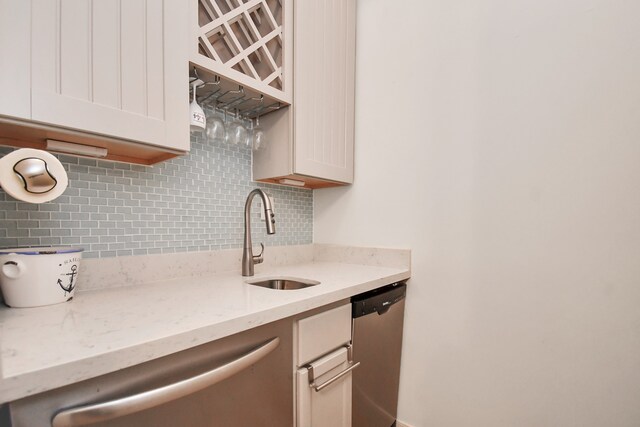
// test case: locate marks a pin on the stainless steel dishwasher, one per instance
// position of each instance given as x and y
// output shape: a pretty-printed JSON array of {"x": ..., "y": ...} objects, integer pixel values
[
  {"x": 378, "y": 317},
  {"x": 243, "y": 380}
]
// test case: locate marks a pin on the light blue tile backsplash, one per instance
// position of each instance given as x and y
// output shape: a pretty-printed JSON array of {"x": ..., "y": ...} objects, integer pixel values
[{"x": 190, "y": 203}]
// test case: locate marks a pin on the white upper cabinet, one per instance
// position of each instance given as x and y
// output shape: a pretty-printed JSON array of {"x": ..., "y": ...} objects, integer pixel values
[
  {"x": 312, "y": 141},
  {"x": 110, "y": 68},
  {"x": 324, "y": 70}
]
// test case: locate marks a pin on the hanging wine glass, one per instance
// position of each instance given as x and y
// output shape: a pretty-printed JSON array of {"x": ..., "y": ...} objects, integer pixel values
[
  {"x": 236, "y": 132},
  {"x": 198, "y": 119},
  {"x": 215, "y": 127},
  {"x": 259, "y": 138}
]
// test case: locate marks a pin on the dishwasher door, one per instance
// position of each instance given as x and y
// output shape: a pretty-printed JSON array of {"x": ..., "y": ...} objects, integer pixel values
[
  {"x": 244, "y": 380},
  {"x": 377, "y": 343}
]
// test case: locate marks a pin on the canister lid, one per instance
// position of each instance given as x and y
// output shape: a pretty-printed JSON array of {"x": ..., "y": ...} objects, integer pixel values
[{"x": 41, "y": 250}]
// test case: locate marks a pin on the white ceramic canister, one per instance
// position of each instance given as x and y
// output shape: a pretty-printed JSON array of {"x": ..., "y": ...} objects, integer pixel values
[{"x": 31, "y": 277}]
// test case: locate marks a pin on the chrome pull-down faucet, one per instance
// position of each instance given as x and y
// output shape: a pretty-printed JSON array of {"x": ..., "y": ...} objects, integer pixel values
[{"x": 248, "y": 259}]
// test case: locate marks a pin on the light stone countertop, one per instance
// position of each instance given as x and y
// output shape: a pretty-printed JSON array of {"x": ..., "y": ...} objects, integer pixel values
[{"x": 103, "y": 330}]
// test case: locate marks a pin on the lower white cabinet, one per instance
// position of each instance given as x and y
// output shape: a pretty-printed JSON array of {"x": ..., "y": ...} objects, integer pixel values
[
  {"x": 328, "y": 406},
  {"x": 323, "y": 374}
]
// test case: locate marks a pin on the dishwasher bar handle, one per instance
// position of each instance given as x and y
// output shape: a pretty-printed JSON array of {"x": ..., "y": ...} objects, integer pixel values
[
  {"x": 105, "y": 411},
  {"x": 335, "y": 378}
]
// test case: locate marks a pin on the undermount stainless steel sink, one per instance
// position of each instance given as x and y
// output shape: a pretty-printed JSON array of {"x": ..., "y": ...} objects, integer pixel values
[{"x": 283, "y": 283}]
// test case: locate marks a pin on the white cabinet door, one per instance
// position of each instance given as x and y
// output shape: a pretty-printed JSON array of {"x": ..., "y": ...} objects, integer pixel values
[
  {"x": 15, "y": 44},
  {"x": 324, "y": 81},
  {"x": 112, "y": 67},
  {"x": 330, "y": 406}
]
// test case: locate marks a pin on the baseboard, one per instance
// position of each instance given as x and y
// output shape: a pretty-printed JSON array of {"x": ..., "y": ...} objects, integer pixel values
[{"x": 401, "y": 424}]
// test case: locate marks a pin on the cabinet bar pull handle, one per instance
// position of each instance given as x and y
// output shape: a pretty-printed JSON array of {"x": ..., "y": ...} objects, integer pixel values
[
  {"x": 335, "y": 378},
  {"x": 137, "y": 402}
]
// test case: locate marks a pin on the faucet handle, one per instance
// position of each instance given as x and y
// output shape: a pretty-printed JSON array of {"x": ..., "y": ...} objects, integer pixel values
[{"x": 257, "y": 259}]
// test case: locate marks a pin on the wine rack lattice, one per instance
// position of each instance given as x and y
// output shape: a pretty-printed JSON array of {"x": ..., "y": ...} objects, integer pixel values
[{"x": 245, "y": 36}]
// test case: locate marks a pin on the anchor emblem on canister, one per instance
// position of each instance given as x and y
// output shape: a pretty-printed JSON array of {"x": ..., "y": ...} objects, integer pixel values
[{"x": 72, "y": 276}]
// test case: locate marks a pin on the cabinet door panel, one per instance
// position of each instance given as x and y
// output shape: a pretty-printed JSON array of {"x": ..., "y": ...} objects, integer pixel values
[
  {"x": 324, "y": 90},
  {"x": 15, "y": 40},
  {"x": 133, "y": 55},
  {"x": 106, "y": 54},
  {"x": 102, "y": 66},
  {"x": 74, "y": 58},
  {"x": 155, "y": 61},
  {"x": 331, "y": 406}
]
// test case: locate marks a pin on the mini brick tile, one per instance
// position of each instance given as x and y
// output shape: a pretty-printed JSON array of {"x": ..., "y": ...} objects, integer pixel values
[
  {"x": 27, "y": 223},
  {"x": 87, "y": 162},
  {"x": 50, "y": 224},
  {"x": 93, "y": 207},
  {"x": 39, "y": 215},
  {"x": 115, "y": 187},
  {"x": 189, "y": 203},
  {"x": 80, "y": 184},
  {"x": 99, "y": 186},
  {"x": 80, "y": 216},
  {"x": 8, "y": 242},
  {"x": 100, "y": 232},
  {"x": 78, "y": 168},
  {"x": 99, "y": 216},
  {"x": 29, "y": 241},
  {"x": 49, "y": 241},
  {"x": 27, "y": 207},
  {"x": 99, "y": 247},
  {"x": 17, "y": 232},
  {"x": 129, "y": 210},
  {"x": 70, "y": 208},
  {"x": 108, "y": 179},
  {"x": 18, "y": 214},
  {"x": 106, "y": 194},
  {"x": 70, "y": 224}
]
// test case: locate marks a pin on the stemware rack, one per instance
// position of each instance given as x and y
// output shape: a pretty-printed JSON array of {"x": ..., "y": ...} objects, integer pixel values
[
  {"x": 248, "y": 42},
  {"x": 218, "y": 93}
]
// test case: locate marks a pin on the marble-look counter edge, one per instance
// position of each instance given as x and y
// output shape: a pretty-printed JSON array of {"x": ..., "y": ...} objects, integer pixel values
[{"x": 18, "y": 384}]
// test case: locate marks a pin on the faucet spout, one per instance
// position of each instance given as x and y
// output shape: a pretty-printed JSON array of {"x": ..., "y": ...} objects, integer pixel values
[{"x": 248, "y": 259}]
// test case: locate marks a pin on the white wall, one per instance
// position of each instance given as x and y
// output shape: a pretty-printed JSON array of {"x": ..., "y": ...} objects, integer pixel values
[{"x": 500, "y": 140}]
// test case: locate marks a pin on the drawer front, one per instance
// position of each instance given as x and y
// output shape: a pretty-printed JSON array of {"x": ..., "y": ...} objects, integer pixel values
[{"x": 319, "y": 334}]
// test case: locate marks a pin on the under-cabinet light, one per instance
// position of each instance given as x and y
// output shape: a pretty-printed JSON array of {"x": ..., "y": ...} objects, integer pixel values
[
  {"x": 79, "y": 149},
  {"x": 286, "y": 181}
]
